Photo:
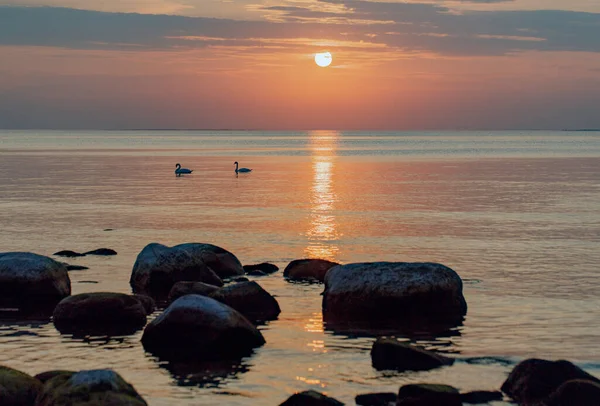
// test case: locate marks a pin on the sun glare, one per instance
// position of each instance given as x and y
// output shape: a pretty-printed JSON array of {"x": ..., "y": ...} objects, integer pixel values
[{"x": 323, "y": 59}]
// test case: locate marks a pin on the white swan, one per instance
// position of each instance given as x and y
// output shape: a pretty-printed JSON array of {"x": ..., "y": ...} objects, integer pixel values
[
  {"x": 241, "y": 169},
  {"x": 180, "y": 171}
]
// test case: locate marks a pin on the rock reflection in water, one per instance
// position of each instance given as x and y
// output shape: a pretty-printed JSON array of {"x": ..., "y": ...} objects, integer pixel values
[{"x": 206, "y": 373}]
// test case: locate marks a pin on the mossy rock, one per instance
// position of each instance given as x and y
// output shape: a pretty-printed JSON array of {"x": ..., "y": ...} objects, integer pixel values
[{"x": 17, "y": 388}]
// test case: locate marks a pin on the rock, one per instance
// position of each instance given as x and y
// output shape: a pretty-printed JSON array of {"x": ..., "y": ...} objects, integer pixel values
[
  {"x": 68, "y": 254},
  {"x": 261, "y": 269},
  {"x": 75, "y": 267},
  {"x": 428, "y": 395},
  {"x": 32, "y": 282},
  {"x": 105, "y": 252},
  {"x": 241, "y": 279},
  {"x": 17, "y": 388},
  {"x": 308, "y": 269},
  {"x": 147, "y": 303},
  {"x": 191, "y": 288},
  {"x": 389, "y": 353},
  {"x": 577, "y": 392},
  {"x": 311, "y": 398},
  {"x": 424, "y": 293},
  {"x": 250, "y": 299},
  {"x": 200, "y": 327},
  {"x": 46, "y": 376},
  {"x": 100, "y": 313},
  {"x": 534, "y": 380},
  {"x": 376, "y": 399},
  {"x": 157, "y": 268},
  {"x": 89, "y": 388},
  {"x": 478, "y": 397}
]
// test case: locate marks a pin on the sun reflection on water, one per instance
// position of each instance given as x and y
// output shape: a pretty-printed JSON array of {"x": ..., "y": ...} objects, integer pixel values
[{"x": 322, "y": 233}]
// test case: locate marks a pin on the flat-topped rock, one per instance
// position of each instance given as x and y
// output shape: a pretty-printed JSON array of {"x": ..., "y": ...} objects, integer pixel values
[{"x": 308, "y": 270}]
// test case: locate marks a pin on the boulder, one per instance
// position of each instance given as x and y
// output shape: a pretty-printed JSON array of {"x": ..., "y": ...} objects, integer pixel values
[
  {"x": 577, "y": 392},
  {"x": 250, "y": 299},
  {"x": 105, "y": 252},
  {"x": 157, "y": 268},
  {"x": 44, "y": 377},
  {"x": 422, "y": 293},
  {"x": 389, "y": 353},
  {"x": 147, "y": 302},
  {"x": 534, "y": 380},
  {"x": 99, "y": 313},
  {"x": 17, "y": 388},
  {"x": 308, "y": 269},
  {"x": 68, "y": 254},
  {"x": 428, "y": 395},
  {"x": 89, "y": 388},
  {"x": 76, "y": 267},
  {"x": 311, "y": 398},
  {"x": 478, "y": 397},
  {"x": 261, "y": 269},
  {"x": 376, "y": 399},
  {"x": 32, "y": 282},
  {"x": 191, "y": 288},
  {"x": 199, "y": 327}
]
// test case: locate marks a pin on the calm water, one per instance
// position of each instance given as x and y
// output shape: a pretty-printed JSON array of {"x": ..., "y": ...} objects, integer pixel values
[{"x": 517, "y": 215}]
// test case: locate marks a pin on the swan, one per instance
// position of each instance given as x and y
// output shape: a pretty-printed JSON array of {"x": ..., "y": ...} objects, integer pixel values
[
  {"x": 180, "y": 171},
  {"x": 241, "y": 169}
]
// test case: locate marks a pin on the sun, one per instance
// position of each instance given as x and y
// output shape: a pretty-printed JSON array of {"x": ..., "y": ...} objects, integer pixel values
[{"x": 323, "y": 59}]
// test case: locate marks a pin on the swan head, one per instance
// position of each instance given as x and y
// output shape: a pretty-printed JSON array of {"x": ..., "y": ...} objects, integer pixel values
[
  {"x": 177, "y": 165},
  {"x": 235, "y": 163}
]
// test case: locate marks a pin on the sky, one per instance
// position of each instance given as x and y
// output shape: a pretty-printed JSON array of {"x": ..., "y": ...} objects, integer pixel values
[{"x": 249, "y": 64}]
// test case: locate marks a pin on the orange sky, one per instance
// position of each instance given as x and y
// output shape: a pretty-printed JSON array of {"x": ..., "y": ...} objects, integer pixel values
[{"x": 397, "y": 65}]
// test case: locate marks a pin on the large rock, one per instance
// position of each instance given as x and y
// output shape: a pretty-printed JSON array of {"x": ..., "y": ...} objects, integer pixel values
[
  {"x": 308, "y": 269},
  {"x": 17, "y": 388},
  {"x": 157, "y": 268},
  {"x": 250, "y": 299},
  {"x": 32, "y": 282},
  {"x": 481, "y": 396},
  {"x": 389, "y": 353},
  {"x": 577, "y": 392},
  {"x": 198, "y": 327},
  {"x": 428, "y": 395},
  {"x": 100, "y": 313},
  {"x": 534, "y": 380},
  {"x": 311, "y": 398},
  {"x": 191, "y": 288},
  {"x": 89, "y": 388},
  {"x": 397, "y": 291}
]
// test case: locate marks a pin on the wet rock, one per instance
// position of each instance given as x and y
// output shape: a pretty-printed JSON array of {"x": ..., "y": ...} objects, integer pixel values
[
  {"x": 241, "y": 279},
  {"x": 577, "y": 392},
  {"x": 534, "y": 380},
  {"x": 199, "y": 327},
  {"x": 478, "y": 397},
  {"x": 189, "y": 288},
  {"x": 32, "y": 282},
  {"x": 376, "y": 399},
  {"x": 17, "y": 388},
  {"x": 308, "y": 269},
  {"x": 428, "y": 395},
  {"x": 105, "y": 252},
  {"x": 311, "y": 398},
  {"x": 250, "y": 299},
  {"x": 147, "y": 303},
  {"x": 158, "y": 268},
  {"x": 75, "y": 267},
  {"x": 46, "y": 376},
  {"x": 261, "y": 269},
  {"x": 68, "y": 254},
  {"x": 89, "y": 388},
  {"x": 397, "y": 291},
  {"x": 389, "y": 353},
  {"x": 99, "y": 313}
]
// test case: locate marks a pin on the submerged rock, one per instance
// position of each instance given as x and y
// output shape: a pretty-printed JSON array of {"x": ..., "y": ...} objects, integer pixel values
[
  {"x": 376, "y": 399},
  {"x": 199, "y": 327},
  {"x": 261, "y": 269},
  {"x": 250, "y": 299},
  {"x": 191, "y": 288},
  {"x": 534, "y": 380},
  {"x": 100, "y": 313},
  {"x": 389, "y": 353},
  {"x": 308, "y": 269},
  {"x": 105, "y": 252},
  {"x": 396, "y": 291},
  {"x": 157, "y": 268},
  {"x": 311, "y": 398},
  {"x": 17, "y": 388},
  {"x": 32, "y": 282},
  {"x": 68, "y": 254},
  {"x": 76, "y": 267},
  {"x": 89, "y": 388},
  {"x": 426, "y": 394}
]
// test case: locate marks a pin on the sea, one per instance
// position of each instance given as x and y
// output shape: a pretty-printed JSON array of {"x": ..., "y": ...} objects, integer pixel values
[{"x": 515, "y": 214}]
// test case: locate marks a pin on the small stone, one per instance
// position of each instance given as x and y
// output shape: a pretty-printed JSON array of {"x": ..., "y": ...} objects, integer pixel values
[
  {"x": 311, "y": 398},
  {"x": 308, "y": 270},
  {"x": 102, "y": 252},
  {"x": 261, "y": 269},
  {"x": 389, "y": 353},
  {"x": 68, "y": 254}
]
